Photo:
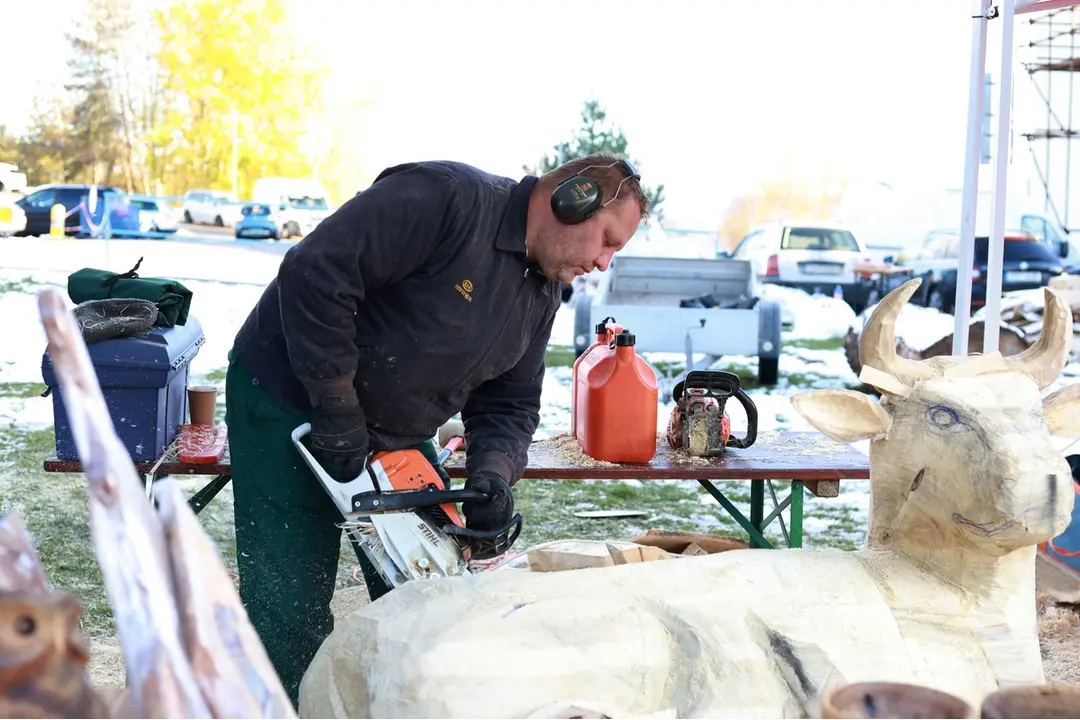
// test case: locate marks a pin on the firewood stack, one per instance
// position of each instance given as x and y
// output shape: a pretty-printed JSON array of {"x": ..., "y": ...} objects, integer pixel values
[{"x": 188, "y": 647}]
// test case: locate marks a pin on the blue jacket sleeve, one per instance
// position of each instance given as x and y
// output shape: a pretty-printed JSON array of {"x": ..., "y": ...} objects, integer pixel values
[
  {"x": 375, "y": 239},
  {"x": 502, "y": 414}
]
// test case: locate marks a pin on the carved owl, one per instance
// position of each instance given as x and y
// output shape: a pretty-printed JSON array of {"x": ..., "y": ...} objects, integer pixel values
[{"x": 43, "y": 659}]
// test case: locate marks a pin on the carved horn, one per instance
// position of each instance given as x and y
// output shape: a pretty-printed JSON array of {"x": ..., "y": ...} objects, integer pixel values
[
  {"x": 877, "y": 346},
  {"x": 1044, "y": 360}
]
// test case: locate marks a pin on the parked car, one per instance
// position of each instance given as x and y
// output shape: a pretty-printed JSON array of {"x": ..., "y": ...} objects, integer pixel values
[
  {"x": 299, "y": 205},
  {"x": 1028, "y": 264},
  {"x": 38, "y": 206},
  {"x": 808, "y": 256},
  {"x": 258, "y": 221},
  {"x": 155, "y": 214},
  {"x": 211, "y": 207},
  {"x": 12, "y": 217}
]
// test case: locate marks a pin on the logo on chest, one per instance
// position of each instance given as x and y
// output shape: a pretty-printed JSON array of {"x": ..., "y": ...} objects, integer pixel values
[{"x": 465, "y": 288}]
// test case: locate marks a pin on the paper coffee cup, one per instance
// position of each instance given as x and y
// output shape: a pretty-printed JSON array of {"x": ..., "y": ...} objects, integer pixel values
[{"x": 202, "y": 404}]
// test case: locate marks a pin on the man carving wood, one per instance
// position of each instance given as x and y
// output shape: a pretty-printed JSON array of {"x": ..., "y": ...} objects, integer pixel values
[{"x": 430, "y": 293}]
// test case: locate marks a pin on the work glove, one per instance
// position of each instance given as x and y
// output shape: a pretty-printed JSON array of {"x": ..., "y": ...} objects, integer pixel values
[
  {"x": 496, "y": 511},
  {"x": 339, "y": 437}
]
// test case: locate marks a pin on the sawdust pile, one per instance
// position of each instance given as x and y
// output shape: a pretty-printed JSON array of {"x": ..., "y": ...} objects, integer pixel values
[
  {"x": 567, "y": 448},
  {"x": 1059, "y": 639}
]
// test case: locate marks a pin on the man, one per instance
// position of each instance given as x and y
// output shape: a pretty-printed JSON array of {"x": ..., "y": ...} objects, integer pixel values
[{"x": 430, "y": 293}]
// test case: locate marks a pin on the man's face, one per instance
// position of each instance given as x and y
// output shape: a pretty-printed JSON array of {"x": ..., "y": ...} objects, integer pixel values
[{"x": 567, "y": 251}]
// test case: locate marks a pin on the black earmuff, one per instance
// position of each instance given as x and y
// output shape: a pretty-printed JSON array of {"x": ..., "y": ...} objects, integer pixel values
[{"x": 577, "y": 199}]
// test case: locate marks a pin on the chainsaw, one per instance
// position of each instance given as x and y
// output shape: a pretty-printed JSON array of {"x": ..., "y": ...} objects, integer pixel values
[
  {"x": 699, "y": 424},
  {"x": 398, "y": 512}
]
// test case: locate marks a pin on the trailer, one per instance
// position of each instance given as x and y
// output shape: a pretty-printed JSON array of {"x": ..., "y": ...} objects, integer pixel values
[{"x": 685, "y": 305}]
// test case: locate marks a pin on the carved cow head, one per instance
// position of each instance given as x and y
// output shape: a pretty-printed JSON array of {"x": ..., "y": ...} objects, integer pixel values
[{"x": 960, "y": 452}]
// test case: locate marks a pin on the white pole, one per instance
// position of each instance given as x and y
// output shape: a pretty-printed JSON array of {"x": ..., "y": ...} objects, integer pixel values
[
  {"x": 976, "y": 85},
  {"x": 996, "y": 250}
]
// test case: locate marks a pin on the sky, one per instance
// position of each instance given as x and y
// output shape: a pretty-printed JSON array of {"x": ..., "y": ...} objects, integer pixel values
[{"x": 713, "y": 95}]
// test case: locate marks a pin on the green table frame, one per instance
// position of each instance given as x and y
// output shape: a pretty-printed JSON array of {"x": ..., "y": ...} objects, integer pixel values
[{"x": 809, "y": 460}]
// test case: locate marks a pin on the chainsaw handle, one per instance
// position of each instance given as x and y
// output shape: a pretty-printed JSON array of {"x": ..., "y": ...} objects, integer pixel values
[
  {"x": 751, "y": 421},
  {"x": 411, "y": 499}
]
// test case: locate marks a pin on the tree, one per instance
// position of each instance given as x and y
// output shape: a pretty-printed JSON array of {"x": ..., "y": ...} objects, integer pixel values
[
  {"x": 101, "y": 143},
  {"x": 41, "y": 151},
  {"x": 238, "y": 97},
  {"x": 776, "y": 200},
  {"x": 594, "y": 135}
]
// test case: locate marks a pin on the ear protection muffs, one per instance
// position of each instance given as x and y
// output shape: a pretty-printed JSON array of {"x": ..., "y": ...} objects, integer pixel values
[{"x": 577, "y": 199}]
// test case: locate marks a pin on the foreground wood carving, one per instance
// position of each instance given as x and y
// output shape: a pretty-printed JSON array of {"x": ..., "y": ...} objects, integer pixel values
[
  {"x": 188, "y": 647},
  {"x": 965, "y": 484}
]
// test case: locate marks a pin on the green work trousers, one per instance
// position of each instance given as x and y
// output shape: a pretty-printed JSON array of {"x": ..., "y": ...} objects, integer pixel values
[{"x": 287, "y": 540}]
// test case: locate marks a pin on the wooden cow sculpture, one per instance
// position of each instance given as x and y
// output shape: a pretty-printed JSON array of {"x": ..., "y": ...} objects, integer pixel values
[{"x": 965, "y": 483}]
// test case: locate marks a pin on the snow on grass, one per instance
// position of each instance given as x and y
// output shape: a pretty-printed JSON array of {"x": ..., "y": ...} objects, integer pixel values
[{"x": 226, "y": 282}]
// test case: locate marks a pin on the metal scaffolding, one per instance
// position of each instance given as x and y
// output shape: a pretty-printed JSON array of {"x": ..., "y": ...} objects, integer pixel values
[
  {"x": 1052, "y": 67},
  {"x": 1004, "y": 12}
]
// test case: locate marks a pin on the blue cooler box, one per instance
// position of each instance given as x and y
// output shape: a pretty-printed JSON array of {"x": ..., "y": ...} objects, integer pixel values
[{"x": 144, "y": 379}]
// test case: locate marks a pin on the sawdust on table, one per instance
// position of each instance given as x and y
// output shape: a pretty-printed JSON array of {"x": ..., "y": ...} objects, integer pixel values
[{"x": 567, "y": 448}]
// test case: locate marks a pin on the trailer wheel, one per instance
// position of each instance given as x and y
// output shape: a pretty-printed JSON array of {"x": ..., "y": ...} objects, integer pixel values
[{"x": 768, "y": 370}]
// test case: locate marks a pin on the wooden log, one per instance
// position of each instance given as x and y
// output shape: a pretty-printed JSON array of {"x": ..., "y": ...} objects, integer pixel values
[
  {"x": 43, "y": 654},
  {"x": 20, "y": 568},
  {"x": 43, "y": 658},
  {"x": 128, "y": 538},
  {"x": 229, "y": 660}
]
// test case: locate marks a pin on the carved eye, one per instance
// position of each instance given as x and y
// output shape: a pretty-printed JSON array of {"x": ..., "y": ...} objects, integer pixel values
[
  {"x": 25, "y": 625},
  {"x": 942, "y": 417}
]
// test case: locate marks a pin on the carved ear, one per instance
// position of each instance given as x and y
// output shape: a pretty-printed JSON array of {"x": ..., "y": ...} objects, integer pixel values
[
  {"x": 843, "y": 415},
  {"x": 1061, "y": 410}
]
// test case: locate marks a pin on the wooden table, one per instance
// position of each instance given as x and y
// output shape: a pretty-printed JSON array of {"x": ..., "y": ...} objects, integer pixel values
[
  {"x": 168, "y": 464},
  {"x": 807, "y": 459}
]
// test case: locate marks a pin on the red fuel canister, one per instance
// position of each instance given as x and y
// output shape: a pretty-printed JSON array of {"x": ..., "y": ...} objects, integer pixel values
[
  {"x": 616, "y": 396},
  {"x": 605, "y": 331}
]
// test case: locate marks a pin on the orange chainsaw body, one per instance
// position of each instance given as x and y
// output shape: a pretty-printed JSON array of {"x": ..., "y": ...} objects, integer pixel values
[{"x": 410, "y": 470}]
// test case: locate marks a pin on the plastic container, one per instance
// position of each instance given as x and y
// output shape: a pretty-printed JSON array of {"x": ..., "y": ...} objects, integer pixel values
[
  {"x": 144, "y": 379},
  {"x": 605, "y": 330},
  {"x": 616, "y": 397}
]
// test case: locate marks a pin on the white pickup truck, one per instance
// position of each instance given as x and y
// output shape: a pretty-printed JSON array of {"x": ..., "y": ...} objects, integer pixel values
[{"x": 11, "y": 180}]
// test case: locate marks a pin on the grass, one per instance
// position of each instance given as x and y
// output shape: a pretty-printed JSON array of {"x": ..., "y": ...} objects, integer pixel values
[
  {"x": 548, "y": 508},
  {"x": 55, "y": 506},
  {"x": 26, "y": 285},
  {"x": 22, "y": 390},
  {"x": 559, "y": 356}
]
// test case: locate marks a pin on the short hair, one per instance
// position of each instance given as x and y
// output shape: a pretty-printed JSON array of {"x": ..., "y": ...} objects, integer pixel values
[{"x": 607, "y": 176}]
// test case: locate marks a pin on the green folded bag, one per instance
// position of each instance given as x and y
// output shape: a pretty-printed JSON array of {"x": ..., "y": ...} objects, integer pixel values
[{"x": 173, "y": 300}]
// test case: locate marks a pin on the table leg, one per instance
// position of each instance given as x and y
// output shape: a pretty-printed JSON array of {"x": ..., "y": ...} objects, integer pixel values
[
  {"x": 203, "y": 497},
  {"x": 796, "y": 513},
  {"x": 757, "y": 540},
  {"x": 757, "y": 507}
]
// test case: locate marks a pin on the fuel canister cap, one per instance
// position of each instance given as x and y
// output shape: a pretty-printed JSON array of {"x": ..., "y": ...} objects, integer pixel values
[{"x": 625, "y": 338}]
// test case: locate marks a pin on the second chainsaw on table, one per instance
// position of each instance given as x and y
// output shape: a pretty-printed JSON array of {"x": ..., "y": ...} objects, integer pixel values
[
  {"x": 699, "y": 424},
  {"x": 406, "y": 521}
]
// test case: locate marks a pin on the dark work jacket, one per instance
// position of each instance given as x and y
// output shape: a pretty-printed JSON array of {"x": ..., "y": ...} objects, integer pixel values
[{"x": 418, "y": 293}]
